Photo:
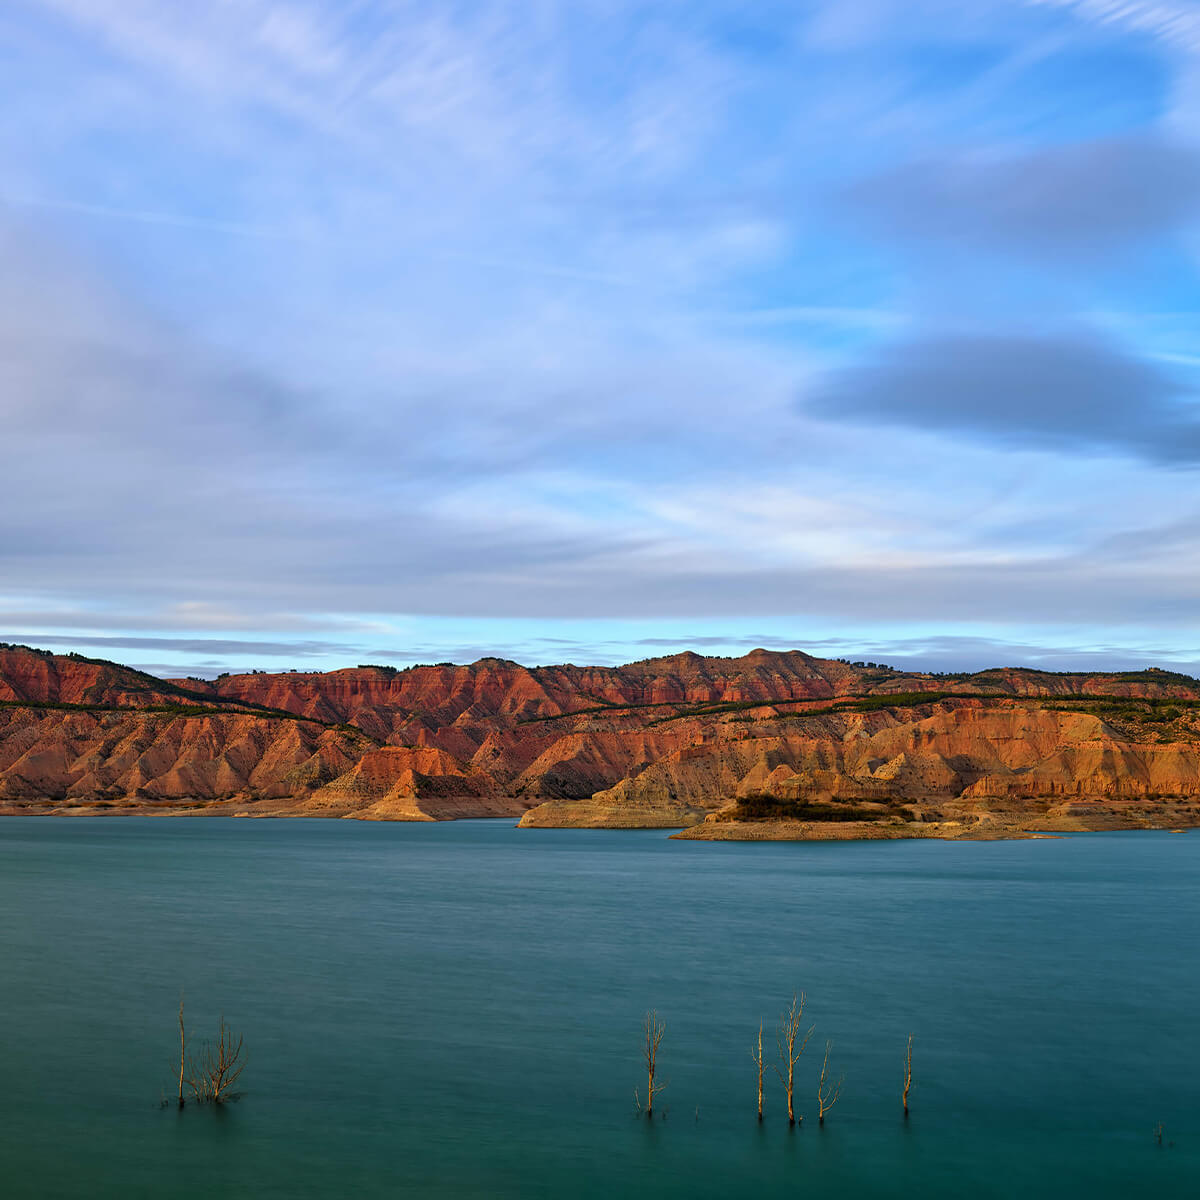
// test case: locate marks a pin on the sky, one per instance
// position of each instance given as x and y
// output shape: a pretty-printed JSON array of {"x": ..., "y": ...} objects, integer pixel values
[{"x": 376, "y": 331}]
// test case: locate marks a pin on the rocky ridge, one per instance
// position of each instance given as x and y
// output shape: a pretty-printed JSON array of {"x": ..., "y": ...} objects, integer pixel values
[{"x": 773, "y": 744}]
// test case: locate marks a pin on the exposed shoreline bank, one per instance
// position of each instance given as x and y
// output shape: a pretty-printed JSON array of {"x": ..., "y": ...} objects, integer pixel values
[{"x": 984, "y": 828}]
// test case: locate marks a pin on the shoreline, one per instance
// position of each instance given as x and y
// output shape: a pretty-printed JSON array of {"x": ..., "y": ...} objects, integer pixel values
[{"x": 984, "y": 828}]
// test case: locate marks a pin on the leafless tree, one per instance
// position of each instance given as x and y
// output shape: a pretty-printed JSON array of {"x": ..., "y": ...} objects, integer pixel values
[
  {"x": 182, "y": 1050},
  {"x": 653, "y": 1029},
  {"x": 791, "y": 1047},
  {"x": 827, "y": 1091},
  {"x": 908, "y": 1075},
  {"x": 757, "y": 1056},
  {"x": 213, "y": 1078}
]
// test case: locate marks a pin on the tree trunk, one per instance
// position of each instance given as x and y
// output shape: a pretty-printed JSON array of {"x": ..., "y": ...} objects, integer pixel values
[
  {"x": 791, "y": 1047},
  {"x": 760, "y": 1065},
  {"x": 908, "y": 1079},
  {"x": 654, "y": 1030},
  {"x": 182, "y": 1051},
  {"x": 827, "y": 1091}
]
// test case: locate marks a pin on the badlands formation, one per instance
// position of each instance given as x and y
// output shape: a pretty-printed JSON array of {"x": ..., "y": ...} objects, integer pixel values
[{"x": 769, "y": 746}]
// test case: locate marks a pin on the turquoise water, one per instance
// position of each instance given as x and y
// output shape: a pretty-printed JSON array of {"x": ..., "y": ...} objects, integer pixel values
[{"x": 455, "y": 1010}]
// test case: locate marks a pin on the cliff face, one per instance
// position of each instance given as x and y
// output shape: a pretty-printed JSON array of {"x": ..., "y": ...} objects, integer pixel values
[
  {"x": 29, "y": 675},
  {"x": 669, "y": 741}
]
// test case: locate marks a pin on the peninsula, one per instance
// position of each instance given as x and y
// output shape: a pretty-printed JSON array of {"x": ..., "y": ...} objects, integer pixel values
[{"x": 773, "y": 745}]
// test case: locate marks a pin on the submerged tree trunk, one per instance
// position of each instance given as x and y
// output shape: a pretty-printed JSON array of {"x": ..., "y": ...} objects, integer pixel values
[
  {"x": 653, "y": 1030},
  {"x": 182, "y": 1051},
  {"x": 908, "y": 1076},
  {"x": 791, "y": 1047},
  {"x": 758, "y": 1060},
  {"x": 827, "y": 1091}
]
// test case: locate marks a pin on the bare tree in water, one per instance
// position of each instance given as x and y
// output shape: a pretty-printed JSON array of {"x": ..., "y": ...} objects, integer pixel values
[
  {"x": 757, "y": 1056},
  {"x": 908, "y": 1075},
  {"x": 791, "y": 1047},
  {"x": 182, "y": 1050},
  {"x": 653, "y": 1029},
  {"x": 827, "y": 1091},
  {"x": 214, "y": 1076}
]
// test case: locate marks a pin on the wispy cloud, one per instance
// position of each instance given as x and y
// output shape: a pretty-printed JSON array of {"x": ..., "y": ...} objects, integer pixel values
[
  {"x": 941, "y": 652},
  {"x": 314, "y": 316},
  {"x": 216, "y": 647},
  {"x": 1176, "y": 25}
]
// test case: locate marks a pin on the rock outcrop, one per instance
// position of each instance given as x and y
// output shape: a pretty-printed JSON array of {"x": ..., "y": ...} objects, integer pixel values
[{"x": 772, "y": 744}]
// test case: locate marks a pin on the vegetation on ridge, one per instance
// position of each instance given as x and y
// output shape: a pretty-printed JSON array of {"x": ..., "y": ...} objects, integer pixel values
[{"x": 763, "y": 807}]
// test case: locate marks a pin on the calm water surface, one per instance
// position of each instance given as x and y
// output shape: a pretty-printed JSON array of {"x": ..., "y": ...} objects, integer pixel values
[{"x": 454, "y": 1010}]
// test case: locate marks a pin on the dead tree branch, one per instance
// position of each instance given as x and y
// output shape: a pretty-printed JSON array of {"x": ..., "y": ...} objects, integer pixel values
[
  {"x": 908, "y": 1075},
  {"x": 653, "y": 1029},
  {"x": 757, "y": 1056},
  {"x": 214, "y": 1076},
  {"x": 791, "y": 1047},
  {"x": 182, "y": 1050},
  {"x": 827, "y": 1091}
]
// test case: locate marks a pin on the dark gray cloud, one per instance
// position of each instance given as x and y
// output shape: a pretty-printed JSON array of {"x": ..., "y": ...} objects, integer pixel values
[
  {"x": 1071, "y": 393},
  {"x": 1075, "y": 201}
]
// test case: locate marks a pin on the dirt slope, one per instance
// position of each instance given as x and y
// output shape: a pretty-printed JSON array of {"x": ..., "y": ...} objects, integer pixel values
[{"x": 771, "y": 744}]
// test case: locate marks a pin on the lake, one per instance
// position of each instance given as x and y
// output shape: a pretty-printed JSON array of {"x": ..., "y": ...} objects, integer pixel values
[{"x": 455, "y": 1010}]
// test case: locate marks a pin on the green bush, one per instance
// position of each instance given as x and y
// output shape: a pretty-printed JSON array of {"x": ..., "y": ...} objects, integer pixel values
[{"x": 772, "y": 808}]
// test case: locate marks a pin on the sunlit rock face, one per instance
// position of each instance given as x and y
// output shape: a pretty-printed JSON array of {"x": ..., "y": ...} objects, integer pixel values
[{"x": 779, "y": 742}]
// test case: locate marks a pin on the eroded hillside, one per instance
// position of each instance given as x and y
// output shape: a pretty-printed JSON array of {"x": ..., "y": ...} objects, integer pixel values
[{"x": 769, "y": 745}]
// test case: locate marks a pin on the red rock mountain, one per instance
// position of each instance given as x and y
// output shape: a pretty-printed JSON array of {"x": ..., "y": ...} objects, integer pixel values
[{"x": 663, "y": 742}]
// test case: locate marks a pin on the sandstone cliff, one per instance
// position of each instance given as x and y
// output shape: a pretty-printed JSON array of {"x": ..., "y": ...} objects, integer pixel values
[{"x": 772, "y": 744}]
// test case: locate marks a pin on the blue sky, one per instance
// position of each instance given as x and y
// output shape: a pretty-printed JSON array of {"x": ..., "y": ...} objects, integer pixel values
[{"x": 391, "y": 332}]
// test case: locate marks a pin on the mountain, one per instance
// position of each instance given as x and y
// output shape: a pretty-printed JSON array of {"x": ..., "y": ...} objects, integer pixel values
[{"x": 768, "y": 745}]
